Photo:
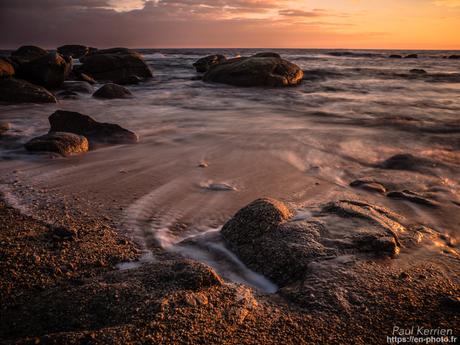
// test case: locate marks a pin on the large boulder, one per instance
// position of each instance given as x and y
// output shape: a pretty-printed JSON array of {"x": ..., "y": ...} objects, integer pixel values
[
  {"x": 21, "y": 91},
  {"x": 75, "y": 51},
  {"x": 255, "y": 71},
  {"x": 27, "y": 53},
  {"x": 204, "y": 64},
  {"x": 50, "y": 70},
  {"x": 6, "y": 68},
  {"x": 59, "y": 142},
  {"x": 112, "y": 91},
  {"x": 115, "y": 65},
  {"x": 96, "y": 132}
]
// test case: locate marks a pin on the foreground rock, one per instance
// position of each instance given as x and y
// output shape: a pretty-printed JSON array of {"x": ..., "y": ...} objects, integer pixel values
[
  {"x": 75, "y": 51},
  {"x": 256, "y": 71},
  {"x": 112, "y": 91},
  {"x": 50, "y": 70},
  {"x": 115, "y": 65},
  {"x": 27, "y": 53},
  {"x": 20, "y": 91},
  {"x": 59, "y": 142},
  {"x": 96, "y": 132},
  {"x": 6, "y": 68},
  {"x": 204, "y": 64}
]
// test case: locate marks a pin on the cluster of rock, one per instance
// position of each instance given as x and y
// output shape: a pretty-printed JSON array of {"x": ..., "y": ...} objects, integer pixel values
[
  {"x": 31, "y": 73},
  {"x": 72, "y": 133},
  {"x": 263, "y": 69}
]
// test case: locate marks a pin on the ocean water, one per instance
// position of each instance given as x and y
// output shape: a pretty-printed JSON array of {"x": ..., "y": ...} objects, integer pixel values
[{"x": 303, "y": 145}]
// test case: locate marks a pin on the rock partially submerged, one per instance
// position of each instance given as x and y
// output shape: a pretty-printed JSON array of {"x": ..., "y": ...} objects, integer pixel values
[
  {"x": 6, "y": 68},
  {"x": 204, "y": 64},
  {"x": 395, "y": 56},
  {"x": 96, "y": 132},
  {"x": 59, "y": 142},
  {"x": 112, "y": 91},
  {"x": 75, "y": 51},
  {"x": 49, "y": 70},
  {"x": 411, "y": 56},
  {"x": 20, "y": 91},
  {"x": 255, "y": 71},
  {"x": 115, "y": 65},
  {"x": 78, "y": 86}
]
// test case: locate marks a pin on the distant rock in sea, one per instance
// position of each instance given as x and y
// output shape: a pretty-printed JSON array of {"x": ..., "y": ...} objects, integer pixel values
[{"x": 204, "y": 64}]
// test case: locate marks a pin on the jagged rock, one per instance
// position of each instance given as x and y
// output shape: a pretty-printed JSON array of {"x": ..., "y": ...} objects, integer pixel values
[
  {"x": 204, "y": 64},
  {"x": 20, "y": 91},
  {"x": 6, "y": 68},
  {"x": 73, "y": 122},
  {"x": 49, "y": 71},
  {"x": 114, "y": 65},
  {"x": 255, "y": 71},
  {"x": 73, "y": 50},
  {"x": 27, "y": 53},
  {"x": 59, "y": 142},
  {"x": 112, "y": 91}
]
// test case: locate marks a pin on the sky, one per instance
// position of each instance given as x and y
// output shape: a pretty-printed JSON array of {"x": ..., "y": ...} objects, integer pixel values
[{"x": 366, "y": 24}]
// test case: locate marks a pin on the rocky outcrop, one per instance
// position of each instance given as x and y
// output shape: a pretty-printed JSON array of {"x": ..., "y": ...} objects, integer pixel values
[
  {"x": 27, "y": 53},
  {"x": 115, "y": 65},
  {"x": 20, "y": 91},
  {"x": 49, "y": 71},
  {"x": 6, "y": 68},
  {"x": 96, "y": 132},
  {"x": 204, "y": 64},
  {"x": 75, "y": 51},
  {"x": 112, "y": 91},
  {"x": 255, "y": 71},
  {"x": 59, "y": 142}
]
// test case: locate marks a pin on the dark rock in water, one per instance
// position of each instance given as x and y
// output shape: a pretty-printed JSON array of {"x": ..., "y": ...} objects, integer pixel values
[
  {"x": 270, "y": 72},
  {"x": 418, "y": 71},
  {"x": 4, "y": 127},
  {"x": 87, "y": 78},
  {"x": 267, "y": 54},
  {"x": 130, "y": 80},
  {"x": 204, "y": 64},
  {"x": 73, "y": 50},
  {"x": 411, "y": 56},
  {"x": 395, "y": 56},
  {"x": 406, "y": 161},
  {"x": 6, "y": 68},
  {"x": 73, "y": 122},
  {"x": 59, "y": 142},
  {"x": 50, "y": 70},
  {"x": 369, "y": 185},
  {"x": 114, "y": 65},
  {"x": 112, "y": 91},
  {"x": 20, "y": 91},
  {"x": 454, "y": 57},
  {"x": 78, "y": 86},
  {"x": 27, "y": 53},
  {"x": 66, "y": 94},
  {"x": 413, "y": 197}
]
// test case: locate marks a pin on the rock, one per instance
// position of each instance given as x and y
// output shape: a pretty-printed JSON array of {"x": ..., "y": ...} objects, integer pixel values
[
  {"x": 87, "y": 78},
  {"x": 255, "y": 71},
  {"x": 73, "y": 50},
  {"x": 50, "y": 70},
  {"x": 4, "y": 127},
  {"x": 61, "y": 233},
  {"x": 27, "y": 53},
  {"x": 73, "y": 122},
  {"x": 418, "y": 71},
  {"x": 59, "y": 142},
  {"x": 267, "y": 54},
  {"x": 204, "y": 64},
  {"x": 115, "y": 65},
  {"x": 454, "y": 57},
  {"x": 78, "y": 86},
  {"x": 407, "y": 161},
  {"x": 411, "y": 56},
  {"x": 450, "y": 303},
  {"x": 369, "y": 185},
  {"x": 67, "y": 95},
  {"x": 395, "y": 56},
  {"x": 20, "y": 91},
  {"x": 130, "y": 80},
  {"x": 111, "y": 91},
  {"x": 6, "y": 68},
  {"x": 218, "y": 187},
  {"x": 413, "y": 197}
]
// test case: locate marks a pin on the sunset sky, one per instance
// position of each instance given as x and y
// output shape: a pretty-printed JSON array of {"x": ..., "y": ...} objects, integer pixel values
[{"x": 404, "y": 24}]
